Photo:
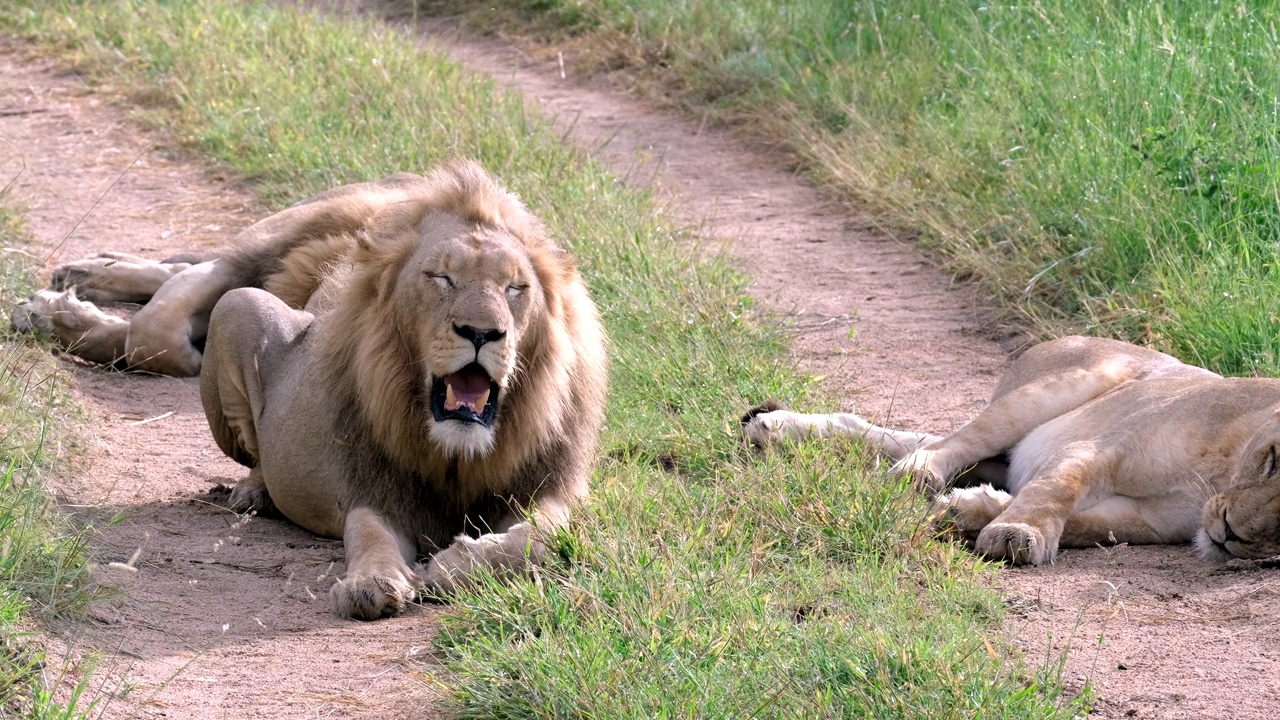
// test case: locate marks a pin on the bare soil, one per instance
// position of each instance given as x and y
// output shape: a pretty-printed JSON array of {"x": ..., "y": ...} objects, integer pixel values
[{"x": 220, "y": 620}]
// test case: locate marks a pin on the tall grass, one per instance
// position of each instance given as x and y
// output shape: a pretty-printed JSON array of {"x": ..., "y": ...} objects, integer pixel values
[
  {"x": 41, "y": 559},
  {"x": 1103, "y": 165},
  {"x": 701, "y": 580}
]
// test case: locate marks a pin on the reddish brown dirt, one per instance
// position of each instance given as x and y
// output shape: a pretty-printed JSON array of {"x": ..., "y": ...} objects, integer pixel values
[{"x": 1158, "y": 633}]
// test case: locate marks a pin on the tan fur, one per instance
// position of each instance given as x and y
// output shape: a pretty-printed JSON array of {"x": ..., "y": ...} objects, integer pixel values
[
  {"x": 1090, "y": 441},
  {"x": 375, "y": 297}
]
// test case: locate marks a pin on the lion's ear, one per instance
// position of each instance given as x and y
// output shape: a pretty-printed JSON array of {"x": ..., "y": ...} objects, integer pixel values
[
  {"x": 364, "y": 240},
  {"x": 390, "y": 233}
]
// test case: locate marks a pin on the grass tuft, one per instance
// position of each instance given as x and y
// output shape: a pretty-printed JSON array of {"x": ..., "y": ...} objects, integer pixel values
[{"x": 41, "y": 552}]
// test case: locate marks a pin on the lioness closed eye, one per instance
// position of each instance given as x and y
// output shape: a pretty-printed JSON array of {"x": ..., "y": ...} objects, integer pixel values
[
  {"x": 422, "y": 373},
  {"x": 1090, "y": 441}
]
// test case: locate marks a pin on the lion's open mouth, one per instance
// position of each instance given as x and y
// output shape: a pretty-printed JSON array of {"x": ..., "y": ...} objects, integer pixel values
[{"x": 468, "y": 395}]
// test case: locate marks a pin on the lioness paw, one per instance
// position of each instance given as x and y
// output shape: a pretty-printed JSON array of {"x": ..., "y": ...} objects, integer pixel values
[
  {"x": 768, "y": 424},
  {"x": 1019, "y": 543},
  {"x": 925, "y": 469},
  {"x": 114, "y": 277},
  {"x": 49, "y": 311},
  {"x": 964, "y": 512},
  {"x": 369, "y": 597}
]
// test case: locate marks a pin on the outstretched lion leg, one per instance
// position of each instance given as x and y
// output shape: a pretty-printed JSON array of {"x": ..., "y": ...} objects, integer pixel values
[
  {"x": 766, "y": 428},
  {"x": 1031, "y": 527},
  {"x": 115, "y": 277},
  {"x": 162, "y": 337},
  {"x": 80, "y": 328}
]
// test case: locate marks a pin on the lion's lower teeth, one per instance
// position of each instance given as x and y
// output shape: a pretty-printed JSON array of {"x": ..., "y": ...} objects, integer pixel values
[{"x": 476, "y": 406}]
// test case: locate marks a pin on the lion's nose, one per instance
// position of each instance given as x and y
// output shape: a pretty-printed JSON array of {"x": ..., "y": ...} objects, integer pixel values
[{"x": 479, "y": 336}]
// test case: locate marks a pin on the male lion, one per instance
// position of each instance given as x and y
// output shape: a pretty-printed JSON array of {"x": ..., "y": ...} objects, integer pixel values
[
  {"x": 1092, "y": 441},
  {"x": 421, "y": 374}
]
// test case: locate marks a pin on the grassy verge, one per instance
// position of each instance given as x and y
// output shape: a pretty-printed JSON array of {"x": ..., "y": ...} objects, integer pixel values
[
  {"x": 1104, "y": 166},
  {"x": 40, "y": 551},
  {"x": 700, "y": 581}
]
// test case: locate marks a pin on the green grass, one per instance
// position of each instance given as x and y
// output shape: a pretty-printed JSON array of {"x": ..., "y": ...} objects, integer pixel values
[
  {"x": 1103, "y": 166},
  {"x": 701, "y": 581},
  {"x": 41, "y": 558}
]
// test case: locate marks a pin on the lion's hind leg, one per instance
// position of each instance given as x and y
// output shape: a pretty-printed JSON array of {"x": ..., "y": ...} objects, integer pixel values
[
  {"x": 79, "y": 327},
  {"x": 250, "y": 495},
  {"x": 115, "y": 277}
]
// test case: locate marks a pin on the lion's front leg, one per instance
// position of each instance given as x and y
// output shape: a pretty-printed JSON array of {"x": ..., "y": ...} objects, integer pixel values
[
  {"x": 379, "y": 581},
  {"x": 510, "y": 552},
  {"x": 502, "y": 554},
  {"x": 1030, "y": 528}
]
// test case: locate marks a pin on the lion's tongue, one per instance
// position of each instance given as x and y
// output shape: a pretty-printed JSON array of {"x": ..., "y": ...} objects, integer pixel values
[{"x": 468, "y": 389}]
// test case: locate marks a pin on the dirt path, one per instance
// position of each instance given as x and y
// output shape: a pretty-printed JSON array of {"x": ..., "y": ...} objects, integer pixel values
[{"x": 1179, "y": 638}]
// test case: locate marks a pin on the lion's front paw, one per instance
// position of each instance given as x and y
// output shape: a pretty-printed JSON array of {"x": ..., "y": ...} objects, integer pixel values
[
  {"x": 1018, "y": 543},
  {"x": 458, "y": 566},
  {"x": 452, "y": 569},
  {"x": 369, "y": 597}
]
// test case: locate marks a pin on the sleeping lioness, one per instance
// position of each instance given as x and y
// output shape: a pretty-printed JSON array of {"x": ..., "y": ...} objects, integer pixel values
[{"x": 1090, "y": 441}]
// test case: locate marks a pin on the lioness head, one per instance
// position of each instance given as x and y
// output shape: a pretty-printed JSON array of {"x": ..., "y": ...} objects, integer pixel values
[
  {"x": 454, "y": 302},
  {"x": 1244, "y": 521}
]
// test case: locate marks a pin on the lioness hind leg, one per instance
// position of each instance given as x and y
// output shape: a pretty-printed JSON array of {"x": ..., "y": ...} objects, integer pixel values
[
  {"x": 115, "y": 277},
  {"x": 965, "y": 512},
  {"x": 769, "y": 424},
  {"x": 1006, "y": 421}
]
